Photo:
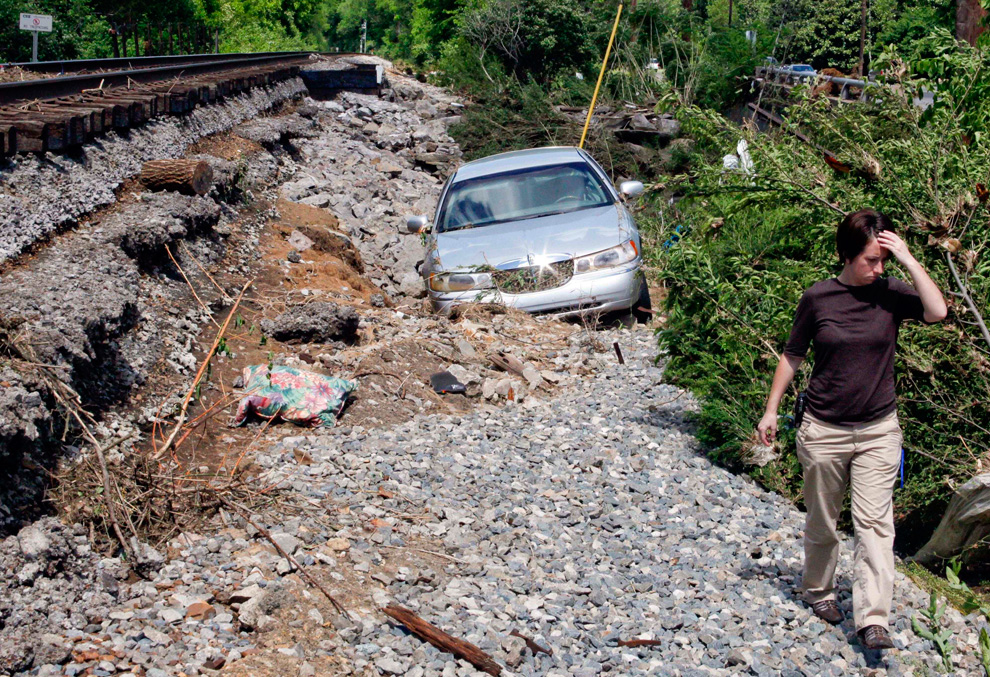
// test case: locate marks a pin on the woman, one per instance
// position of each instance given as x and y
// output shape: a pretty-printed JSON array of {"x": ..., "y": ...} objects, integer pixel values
[{"x": 850, "y": 433}]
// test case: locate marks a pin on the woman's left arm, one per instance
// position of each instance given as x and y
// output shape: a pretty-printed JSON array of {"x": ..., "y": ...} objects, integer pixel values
[{"x": 931, "y": 297}]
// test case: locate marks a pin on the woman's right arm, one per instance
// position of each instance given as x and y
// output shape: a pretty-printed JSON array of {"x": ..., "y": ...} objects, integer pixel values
[{"x": 782, "y": 378}]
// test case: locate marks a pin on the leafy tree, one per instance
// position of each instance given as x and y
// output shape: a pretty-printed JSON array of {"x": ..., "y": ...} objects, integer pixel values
[{"x": 76, "y": 33}]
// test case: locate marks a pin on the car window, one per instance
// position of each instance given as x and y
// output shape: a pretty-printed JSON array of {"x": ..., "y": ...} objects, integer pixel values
[{"x": 522, "y": 194}]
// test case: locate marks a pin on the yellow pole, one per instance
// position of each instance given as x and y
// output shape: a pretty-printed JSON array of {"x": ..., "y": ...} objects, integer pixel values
[{"x": 601, "y": 76}]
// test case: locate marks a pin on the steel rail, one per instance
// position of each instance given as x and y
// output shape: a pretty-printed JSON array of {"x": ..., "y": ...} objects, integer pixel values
[
  {"x": 131, "y": 63},
  {"x": 50, "y": 88}
]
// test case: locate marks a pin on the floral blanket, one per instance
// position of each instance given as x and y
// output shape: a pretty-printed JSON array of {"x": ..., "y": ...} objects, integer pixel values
[{"x": 295, "y": 395}]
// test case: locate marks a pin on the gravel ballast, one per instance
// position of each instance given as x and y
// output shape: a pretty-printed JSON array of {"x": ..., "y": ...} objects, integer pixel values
[
  {"x": 591, "y": 518},
  {"x": 577, "y": 520}
]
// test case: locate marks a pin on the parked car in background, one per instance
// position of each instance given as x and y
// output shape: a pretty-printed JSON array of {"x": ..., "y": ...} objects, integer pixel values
[
  {"x": 542, "y": 230},
  {"x": 800, "y": 68}
]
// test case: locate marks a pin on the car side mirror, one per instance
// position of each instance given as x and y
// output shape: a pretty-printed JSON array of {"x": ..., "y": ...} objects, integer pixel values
[
  {"x": 416, "y": 224},
  {"x": 631, "y": 188}
]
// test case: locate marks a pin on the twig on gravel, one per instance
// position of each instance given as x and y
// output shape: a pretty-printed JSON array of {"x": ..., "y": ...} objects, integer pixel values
[
  {"x": 192, "y": 388},
  {"x": 191, "y": 288},
  {"x": 533, "y": 646},
  {"x": 425, "y": 552},
  {"x": 104, "y": 473},
  {"x": 376, "y": 372},
  {"x": 226, "y": 296},
  {"x": 292, "y": 560},
  {"x": 400, "y": 391},
  {"x": 639, "y": 642}
]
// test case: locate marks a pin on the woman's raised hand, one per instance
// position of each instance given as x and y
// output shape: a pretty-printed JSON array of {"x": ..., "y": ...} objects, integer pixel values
[{"x": 893, "y": 243}]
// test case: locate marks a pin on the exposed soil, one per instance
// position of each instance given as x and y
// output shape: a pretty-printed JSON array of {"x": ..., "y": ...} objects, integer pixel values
[{"x": 225, "y": 146}]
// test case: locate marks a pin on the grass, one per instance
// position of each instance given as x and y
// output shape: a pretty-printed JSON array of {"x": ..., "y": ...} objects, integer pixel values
[{"x": 929, "y": 581}]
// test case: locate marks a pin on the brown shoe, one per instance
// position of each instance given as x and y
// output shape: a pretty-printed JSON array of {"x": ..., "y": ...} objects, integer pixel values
[
  {"x": 828, "y": 611},
  {"x": 875, "y": 637}
]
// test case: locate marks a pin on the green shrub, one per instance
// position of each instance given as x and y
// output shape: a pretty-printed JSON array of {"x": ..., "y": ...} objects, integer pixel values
[{"x": 749, "y": 246}]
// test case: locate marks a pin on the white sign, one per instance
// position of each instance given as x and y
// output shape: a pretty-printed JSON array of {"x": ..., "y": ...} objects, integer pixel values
[{"x": 36, "y": 22}]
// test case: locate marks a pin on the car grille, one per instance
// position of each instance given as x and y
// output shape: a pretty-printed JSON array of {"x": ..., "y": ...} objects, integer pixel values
[{"x": 530, "y": 279}]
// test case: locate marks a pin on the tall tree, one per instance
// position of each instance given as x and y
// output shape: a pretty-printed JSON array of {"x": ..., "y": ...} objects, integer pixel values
[
  {"x": 969, "y": 20},
  {"x": 864, "y": 13}
]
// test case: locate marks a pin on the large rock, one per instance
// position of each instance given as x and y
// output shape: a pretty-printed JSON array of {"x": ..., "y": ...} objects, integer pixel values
[
  {"x": 271, "y": 131},
  {"x": 318, "y": 322},
  {"x": 336, "y": 243},
  {"x": 411, "y": 284},
  {"x": 966, "y": 522}
]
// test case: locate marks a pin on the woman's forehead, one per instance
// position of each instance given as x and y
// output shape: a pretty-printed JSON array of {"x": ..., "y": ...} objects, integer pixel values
[{"x": 873, "y": 248}]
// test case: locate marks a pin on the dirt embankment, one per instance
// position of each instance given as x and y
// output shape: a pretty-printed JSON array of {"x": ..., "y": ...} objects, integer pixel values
[{"x": 112, "y": 327}]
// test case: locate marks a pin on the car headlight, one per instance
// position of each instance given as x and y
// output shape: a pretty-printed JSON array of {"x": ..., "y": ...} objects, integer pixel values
[
  {"x": 448, "y": 282},
  {"x": 609, "y": 258}
]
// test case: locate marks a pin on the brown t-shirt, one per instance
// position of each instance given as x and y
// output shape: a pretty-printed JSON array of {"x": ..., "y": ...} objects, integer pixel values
[{"x": 854, "y": 332}]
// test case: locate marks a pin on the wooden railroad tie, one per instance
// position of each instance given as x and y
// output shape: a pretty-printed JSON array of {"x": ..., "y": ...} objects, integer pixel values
[
  {"x": 59, "y": 123},
  {"x": 8, "y": 139}
]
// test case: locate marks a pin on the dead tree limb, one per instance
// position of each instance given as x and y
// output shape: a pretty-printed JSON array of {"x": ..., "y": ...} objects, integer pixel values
[
  {"x": 209, "y": 356},
  {"x": 964, "y": 292},
  {"x": 443, "y": 641}
]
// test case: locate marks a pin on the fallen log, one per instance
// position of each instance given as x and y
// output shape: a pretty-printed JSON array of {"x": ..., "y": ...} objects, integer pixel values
[
  {"x": 193, "y": 177},
  {"x": 441, "y": 640}
]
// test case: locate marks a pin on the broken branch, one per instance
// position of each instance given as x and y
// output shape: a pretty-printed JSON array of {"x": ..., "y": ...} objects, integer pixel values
[
  {"x": 639, "y": 642},
  {"x": 443, "y": 641},
  {"x": 199, "y": 374},
  {"x": 533, "y": 646}
]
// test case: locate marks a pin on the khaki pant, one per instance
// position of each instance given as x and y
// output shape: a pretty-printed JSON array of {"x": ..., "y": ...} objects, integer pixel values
[{"x": 867, "y": 456}]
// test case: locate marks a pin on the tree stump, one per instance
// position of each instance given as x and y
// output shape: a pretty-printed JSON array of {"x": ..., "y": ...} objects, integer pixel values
[{"x": 192, "y": 177}]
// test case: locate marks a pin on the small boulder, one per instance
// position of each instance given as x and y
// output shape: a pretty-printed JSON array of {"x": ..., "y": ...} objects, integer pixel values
[
  {"x": 34, "y": 542},
  {"x": 339, "y": 544},
  {"x": 465, "y": 348},
  {"x": 318, "y": 322},
  {"x": 299, "y": 242}
]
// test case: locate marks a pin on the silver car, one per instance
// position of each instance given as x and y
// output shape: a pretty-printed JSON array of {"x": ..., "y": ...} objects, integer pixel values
[{"x": 540, "y": 230}]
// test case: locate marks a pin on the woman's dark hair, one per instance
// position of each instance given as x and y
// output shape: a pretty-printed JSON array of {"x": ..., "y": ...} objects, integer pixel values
[{"x": 857, "y": 229}]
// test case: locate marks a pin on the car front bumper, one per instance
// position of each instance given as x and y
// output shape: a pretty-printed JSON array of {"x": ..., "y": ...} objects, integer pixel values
[{"x": 599, "y": 292}]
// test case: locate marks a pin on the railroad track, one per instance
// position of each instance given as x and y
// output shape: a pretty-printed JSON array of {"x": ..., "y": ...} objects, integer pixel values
[{"x": 60, "y": 113}]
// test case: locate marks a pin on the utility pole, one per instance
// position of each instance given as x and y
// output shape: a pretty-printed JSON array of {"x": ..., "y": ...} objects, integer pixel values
[{"x": 864, "y": 11}]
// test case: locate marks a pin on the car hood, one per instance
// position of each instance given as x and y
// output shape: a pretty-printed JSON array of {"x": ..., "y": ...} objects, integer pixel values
[{"x": 558, "y": 236}]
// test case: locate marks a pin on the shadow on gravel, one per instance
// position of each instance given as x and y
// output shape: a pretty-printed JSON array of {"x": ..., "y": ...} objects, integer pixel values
[{"x": 787, "y": 581}]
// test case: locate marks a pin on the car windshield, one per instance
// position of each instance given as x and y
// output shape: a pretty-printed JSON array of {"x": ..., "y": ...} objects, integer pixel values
[{"x": 522, "y": 194}]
